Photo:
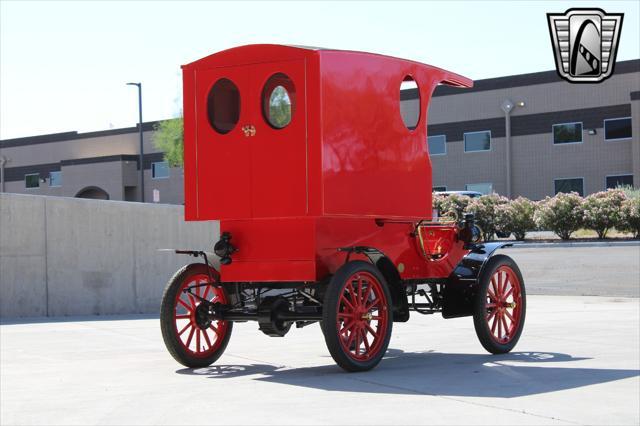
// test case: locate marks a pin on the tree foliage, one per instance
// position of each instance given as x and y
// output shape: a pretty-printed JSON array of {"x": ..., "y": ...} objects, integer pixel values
[{"x": 169, "y": 138}]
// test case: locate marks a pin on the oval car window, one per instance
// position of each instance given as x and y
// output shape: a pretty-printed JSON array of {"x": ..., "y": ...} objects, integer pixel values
[
  {"x": 279, "y": 100},
  {"x": 409, "y": 102},
  {"x": 223, "y": 106}
]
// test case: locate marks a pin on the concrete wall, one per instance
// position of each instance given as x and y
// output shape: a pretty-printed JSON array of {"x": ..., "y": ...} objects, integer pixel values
[{"x": 66, "y": 256}]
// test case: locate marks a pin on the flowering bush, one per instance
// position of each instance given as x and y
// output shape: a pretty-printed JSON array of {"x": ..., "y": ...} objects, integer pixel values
[
  {"x": 561, "y": 214},
  {"x": 452, "y": 204},
  {"x": 484, "y": 210},
  {"x": 630, "y": 216},
  {"x": 516, "y": 217},
  {"x": 602, "y": 210}
]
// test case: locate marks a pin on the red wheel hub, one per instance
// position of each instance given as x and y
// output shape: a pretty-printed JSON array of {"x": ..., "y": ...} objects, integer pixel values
[
  {"x": 362, "y": 316},
  {"x": 199, "y": 337},
  {"x": 503, "y": 305}
]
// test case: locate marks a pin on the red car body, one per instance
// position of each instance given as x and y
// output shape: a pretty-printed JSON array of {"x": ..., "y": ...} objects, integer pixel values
[{"x": 346, "y": 163}]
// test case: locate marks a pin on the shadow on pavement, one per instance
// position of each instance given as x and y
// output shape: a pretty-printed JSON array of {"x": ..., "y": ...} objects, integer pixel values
[{"x": 432, "y": 373}]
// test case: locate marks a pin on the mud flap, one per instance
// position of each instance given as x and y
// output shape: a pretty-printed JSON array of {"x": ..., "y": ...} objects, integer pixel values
[{"x": 459, "y": 291}]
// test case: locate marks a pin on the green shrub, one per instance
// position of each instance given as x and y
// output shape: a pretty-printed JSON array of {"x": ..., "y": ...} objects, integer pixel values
[
  {"x": 602, "y": 211},
  {"x": 484, "y": 210},
  {"x": 630, "y": 216},
  {"x": 516, "y": 216},
  {"x": 561, "y": 214}
]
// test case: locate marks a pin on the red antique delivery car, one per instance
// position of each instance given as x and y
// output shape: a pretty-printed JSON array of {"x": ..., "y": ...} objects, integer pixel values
[{"x": 321, "y": 182}]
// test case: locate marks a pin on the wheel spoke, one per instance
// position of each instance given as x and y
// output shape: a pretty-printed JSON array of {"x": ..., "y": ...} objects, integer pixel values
[
  {"x": 506, "y": 329},
  {"x": 179, "y": 317},
  {"x": 365, "y": 341},
  {"x": 357, "y": 333},
  {"x": 183, "y": 303},
  {"x": 490, "y": 315},
  {"x": 347, "y": 303},
  {"x": 193, "y": 301},
  {"x": 373, "y": 332},
  {"x": 198, "y": 340},
  {"x": 184, "y": 329},
  {"x": 215, "y": 329},
  {"x": 206, "y": 338},
  {"x": 494, "y": 323},
  {"x": 373, "y": 303},
  {"x": 359, "y": 295},
  {"x": 348, "y": 326},
  {"x": 193, "y": 330},
  {"x": 365, "y": 298},
  {"x": 492, "y": 295},
  {"x": 499, "y": 318},
  {"x": 510, "y": 316},
  {"x": 508, "y": 293},
  {"x": 206, "y": 291}
]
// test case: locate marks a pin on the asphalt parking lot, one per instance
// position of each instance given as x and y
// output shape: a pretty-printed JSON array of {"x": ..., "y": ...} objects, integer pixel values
[{"x": 577, "y": 363}]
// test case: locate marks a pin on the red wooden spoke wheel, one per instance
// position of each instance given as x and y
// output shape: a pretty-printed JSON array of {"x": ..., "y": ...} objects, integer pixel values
[
  {"x": 500, "y": 305},
  {"x": 190, "y": 336},
  {"x": 357, "y": 316}
]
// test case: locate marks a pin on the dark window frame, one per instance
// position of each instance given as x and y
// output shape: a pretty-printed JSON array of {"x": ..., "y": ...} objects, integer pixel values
[
  {"x": 581, "y": 178},
  {"x": 153, "y": 170},
  {"x": 553, "y": 133},
  {"x": 464, "y": 141},
  {"x": 25, "y": 180},
  {"x": 59, "y": 172},
  {"x": 604, "y": 129},
  {"x": 445, "y": 144},
  {"x": 606, "y": 186}
]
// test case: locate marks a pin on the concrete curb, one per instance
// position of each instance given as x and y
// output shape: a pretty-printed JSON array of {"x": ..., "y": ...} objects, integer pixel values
[{"x": 520, "y": 244}]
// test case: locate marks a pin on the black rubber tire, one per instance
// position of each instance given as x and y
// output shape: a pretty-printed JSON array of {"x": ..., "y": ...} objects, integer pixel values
[
  {"x": 329, "y": 315},
  {"x": 479, "y": 310},
  {"x": 169, "y": 334}
]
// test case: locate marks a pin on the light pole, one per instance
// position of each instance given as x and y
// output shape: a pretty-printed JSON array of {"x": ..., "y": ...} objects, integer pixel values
[
  {"x": 141, "y": 161},
  {"x": 3, "y": 161},
  {"x": 508, "y": 106}
]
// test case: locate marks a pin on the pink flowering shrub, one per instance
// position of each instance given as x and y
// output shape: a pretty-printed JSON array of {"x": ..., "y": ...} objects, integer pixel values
[
  {"x": 516, "y": 217},
  {"x": 452, "y": 204},
  {"x": 561, "y": 214},
  {"x": 630, "y": 216},
  {"x": 484, "y": 210},
  {"x": 602, "y": 211}
]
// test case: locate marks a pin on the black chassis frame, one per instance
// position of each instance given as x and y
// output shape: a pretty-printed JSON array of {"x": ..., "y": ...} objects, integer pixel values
[{"x": 452, "y": 296}]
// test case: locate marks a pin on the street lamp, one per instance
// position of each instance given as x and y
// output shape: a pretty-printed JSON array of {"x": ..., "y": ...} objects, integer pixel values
[
  {"x": 141, "y": 161},
  {"x": 508, "y": 106}
]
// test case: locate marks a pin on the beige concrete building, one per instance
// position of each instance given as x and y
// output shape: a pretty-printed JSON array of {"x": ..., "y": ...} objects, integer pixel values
[{"x": 531, "y": 135}]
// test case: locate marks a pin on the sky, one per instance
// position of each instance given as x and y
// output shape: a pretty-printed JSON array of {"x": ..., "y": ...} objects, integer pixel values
[{"x": 64, "y": 65}]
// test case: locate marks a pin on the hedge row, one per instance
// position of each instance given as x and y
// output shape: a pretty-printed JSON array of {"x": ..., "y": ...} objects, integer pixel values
[{"x": 563, "y": 214}]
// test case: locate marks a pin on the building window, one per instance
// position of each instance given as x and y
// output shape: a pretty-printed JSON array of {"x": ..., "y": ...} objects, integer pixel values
[
  {"x": 437, "y": 145},
  {"x": 160, "y": 170},
  {"x": 55, "y": 179},
  {"x": 32, "y": 180},
  {"x": 617, "y": 129},
  {"x": 569, "y": 185},
  {"x": 483, "y": 188},
  {"x": 439, "y": 188},
  {"x": 477, "y": 141},
  {"x": 567, "y": 133},
  {"x": 619, "y": 180}
]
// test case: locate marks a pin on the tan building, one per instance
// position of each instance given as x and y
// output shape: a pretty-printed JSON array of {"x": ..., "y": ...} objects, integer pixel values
[{"x": 562, "y": 137}]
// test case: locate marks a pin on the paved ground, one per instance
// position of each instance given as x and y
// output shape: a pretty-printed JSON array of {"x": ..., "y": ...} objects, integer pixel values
[
  {"x": 577, "y": 363},
  {"x": 579, "y": 270}
]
